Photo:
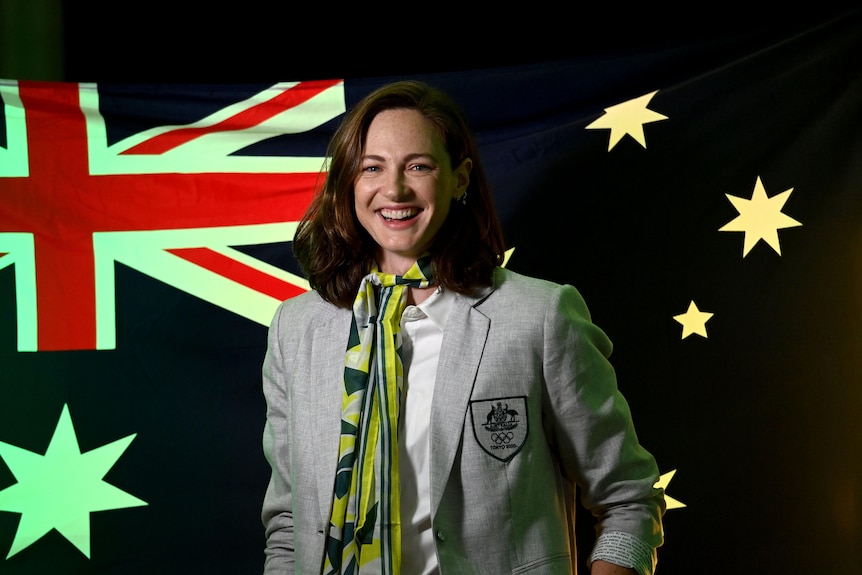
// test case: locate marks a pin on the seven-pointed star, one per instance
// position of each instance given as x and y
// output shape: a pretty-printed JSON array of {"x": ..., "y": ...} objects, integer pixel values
[
  {"x": 693, "y": 321},
  {"x": 760, "y": 218},
  {"x": 627, "y": 118},
  {"x": 60, "y": 489},
  {"x": 662, "y": 483}
]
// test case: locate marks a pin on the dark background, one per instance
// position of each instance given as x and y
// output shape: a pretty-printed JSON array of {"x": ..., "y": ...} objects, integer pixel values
[{"x": 254, "y": 40}]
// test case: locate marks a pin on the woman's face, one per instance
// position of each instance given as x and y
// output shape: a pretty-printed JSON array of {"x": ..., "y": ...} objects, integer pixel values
[{"x": 405, "y": 187}]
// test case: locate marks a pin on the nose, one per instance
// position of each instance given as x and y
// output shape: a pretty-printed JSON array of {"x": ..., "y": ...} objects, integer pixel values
[{"x": 395, "y": 187}]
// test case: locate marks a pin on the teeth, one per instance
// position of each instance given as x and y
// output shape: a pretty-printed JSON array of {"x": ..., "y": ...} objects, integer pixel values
[{"x": 398, "y": 214}]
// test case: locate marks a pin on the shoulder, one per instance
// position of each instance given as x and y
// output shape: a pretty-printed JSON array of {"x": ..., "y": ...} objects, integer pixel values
[
  {"x": 535, "y": 295},
  {"x": 305, "y": 309},
  {"x": 508, "y": 283},
  {"x": 560, "y": 308}
]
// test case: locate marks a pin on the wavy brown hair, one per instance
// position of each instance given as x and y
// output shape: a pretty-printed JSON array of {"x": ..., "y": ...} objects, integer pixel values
[{"x": 333, "y": 249}]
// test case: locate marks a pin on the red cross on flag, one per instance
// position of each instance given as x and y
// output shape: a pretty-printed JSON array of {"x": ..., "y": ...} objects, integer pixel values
[{"x": 87, "y": 180}]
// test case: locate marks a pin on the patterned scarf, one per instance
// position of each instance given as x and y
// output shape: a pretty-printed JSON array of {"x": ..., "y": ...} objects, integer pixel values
[{"x": 365, "y": 525}]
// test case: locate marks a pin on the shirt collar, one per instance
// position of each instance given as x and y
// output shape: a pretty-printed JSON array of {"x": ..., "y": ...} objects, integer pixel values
[{"x": 437, "y": 306}]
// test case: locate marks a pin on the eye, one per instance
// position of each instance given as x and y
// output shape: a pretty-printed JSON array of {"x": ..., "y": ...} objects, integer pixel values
[
  {"x": 420, "y": 168},
  {"x": 369, "y": 169}
]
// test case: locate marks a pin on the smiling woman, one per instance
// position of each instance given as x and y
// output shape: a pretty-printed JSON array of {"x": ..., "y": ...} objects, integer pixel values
[
  {"x": 405, "y": 187},
  {"x": 418, "y": 372},
  {"x": 407, "y": 148}
]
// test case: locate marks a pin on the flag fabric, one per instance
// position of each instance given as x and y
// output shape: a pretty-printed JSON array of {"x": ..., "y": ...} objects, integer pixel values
[{"x": 705, "y": 201}]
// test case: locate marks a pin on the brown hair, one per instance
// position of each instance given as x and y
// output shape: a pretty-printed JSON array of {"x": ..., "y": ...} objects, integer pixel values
[{"x": 333, "y": 249}]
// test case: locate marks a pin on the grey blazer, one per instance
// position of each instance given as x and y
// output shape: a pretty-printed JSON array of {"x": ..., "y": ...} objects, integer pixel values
[{"x": 525, "y": 407}]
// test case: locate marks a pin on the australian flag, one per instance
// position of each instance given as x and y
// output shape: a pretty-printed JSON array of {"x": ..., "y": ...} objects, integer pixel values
[{"x": 706, "y": 201}]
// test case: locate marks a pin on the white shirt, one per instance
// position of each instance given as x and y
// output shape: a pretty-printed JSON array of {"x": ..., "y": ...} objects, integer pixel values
[{"x": 422, "y": 334}]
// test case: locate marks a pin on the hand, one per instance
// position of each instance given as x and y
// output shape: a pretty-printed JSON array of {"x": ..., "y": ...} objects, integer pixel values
[{"x": 600, "y": 567}]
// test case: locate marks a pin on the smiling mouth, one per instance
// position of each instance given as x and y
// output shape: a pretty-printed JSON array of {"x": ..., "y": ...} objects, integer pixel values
[{"x": 398, "y": 215}]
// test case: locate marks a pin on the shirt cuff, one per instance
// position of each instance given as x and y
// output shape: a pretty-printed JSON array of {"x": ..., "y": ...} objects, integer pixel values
[{"x": 626, "y": 550}]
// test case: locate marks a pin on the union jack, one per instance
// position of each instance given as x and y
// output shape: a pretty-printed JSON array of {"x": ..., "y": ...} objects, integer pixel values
[{"x": 91, "y": 177}]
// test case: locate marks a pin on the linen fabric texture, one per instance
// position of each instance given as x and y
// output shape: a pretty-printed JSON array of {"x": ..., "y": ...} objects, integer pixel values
[{"x": 520, "y": 338}]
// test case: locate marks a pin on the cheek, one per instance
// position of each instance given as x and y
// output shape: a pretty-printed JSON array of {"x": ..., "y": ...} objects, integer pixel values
[
  {"x": 443, "y": 199},
  {"x": 360, "y": 198},
  {"x": 441, "y": 211}
]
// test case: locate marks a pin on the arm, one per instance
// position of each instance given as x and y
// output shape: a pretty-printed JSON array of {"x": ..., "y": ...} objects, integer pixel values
[
  {"x": 605, "y": 568},
  {"x": 592, "y": 428}
]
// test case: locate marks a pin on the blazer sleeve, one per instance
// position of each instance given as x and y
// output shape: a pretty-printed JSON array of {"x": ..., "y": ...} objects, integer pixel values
[
  {"x": 592, "y": 427},
  {"x": 277, "y": 512}
]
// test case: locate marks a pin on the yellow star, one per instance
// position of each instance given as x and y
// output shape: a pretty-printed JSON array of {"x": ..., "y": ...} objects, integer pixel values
[
  {"x": 507, "y": 255},
  {"x": 662, "y": 483},
  {"x": 760, "y": 218},
  {"x": 693, "y": 321},
  {"x": 627, "y": 118}
]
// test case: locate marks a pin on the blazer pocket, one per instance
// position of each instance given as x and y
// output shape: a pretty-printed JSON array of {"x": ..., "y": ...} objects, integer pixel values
[{"x": 558, "y": 564}]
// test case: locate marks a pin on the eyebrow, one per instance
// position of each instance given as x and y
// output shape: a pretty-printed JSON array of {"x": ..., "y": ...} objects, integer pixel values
[{"x": 409, "y": 157}]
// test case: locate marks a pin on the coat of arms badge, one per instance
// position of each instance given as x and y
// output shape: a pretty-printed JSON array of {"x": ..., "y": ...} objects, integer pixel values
[{"x": 500, "y": 425}]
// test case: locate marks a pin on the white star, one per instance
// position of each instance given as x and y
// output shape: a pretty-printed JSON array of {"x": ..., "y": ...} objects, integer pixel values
[{"x": 60, "y": 489}]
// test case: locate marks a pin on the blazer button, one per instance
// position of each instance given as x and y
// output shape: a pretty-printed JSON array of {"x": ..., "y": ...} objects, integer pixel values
[{"x": 441, "y": 535}]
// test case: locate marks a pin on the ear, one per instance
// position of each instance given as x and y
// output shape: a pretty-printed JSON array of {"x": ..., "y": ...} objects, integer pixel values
[{"x": 462, "y": 177}]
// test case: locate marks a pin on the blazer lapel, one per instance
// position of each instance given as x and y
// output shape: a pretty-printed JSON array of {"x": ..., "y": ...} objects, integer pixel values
[{"x": 463, "y": 342}]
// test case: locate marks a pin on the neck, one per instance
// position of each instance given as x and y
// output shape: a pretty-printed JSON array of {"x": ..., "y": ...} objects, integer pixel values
[
  {"x": 394, "y": 264},
  {"x": 415, "y": 296}
]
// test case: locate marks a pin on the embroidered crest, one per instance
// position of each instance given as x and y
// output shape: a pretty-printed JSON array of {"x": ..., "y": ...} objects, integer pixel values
[{"x": 500, "y": 425}]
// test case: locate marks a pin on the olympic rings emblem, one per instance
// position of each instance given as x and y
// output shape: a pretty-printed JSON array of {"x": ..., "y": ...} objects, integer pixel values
[{"x": 500, "y": 438}]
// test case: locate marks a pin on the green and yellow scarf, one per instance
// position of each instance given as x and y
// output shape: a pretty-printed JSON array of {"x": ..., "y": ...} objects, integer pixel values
[{"x": 365, "y": 525}]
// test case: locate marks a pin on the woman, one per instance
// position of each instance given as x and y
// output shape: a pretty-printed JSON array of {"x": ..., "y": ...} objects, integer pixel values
[{"x": 427, "y": 410}]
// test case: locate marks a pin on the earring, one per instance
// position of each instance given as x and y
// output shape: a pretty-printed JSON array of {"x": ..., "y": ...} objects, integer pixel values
[{"x": 462, "y": 199}]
